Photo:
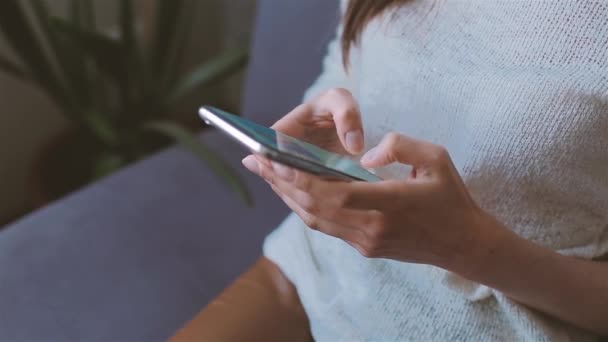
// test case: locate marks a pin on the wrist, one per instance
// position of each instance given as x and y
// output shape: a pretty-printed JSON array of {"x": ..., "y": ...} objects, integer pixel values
[{"x": 487, "y": 241}]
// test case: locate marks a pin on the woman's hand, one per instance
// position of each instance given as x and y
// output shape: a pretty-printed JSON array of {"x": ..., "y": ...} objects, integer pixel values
[
  {"x": 428, "y": 217},
  {"x": 331, "y": 121}
]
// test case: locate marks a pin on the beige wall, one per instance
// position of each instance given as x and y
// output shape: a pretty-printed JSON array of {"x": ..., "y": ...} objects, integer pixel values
[{"x": 28, "y": 120}]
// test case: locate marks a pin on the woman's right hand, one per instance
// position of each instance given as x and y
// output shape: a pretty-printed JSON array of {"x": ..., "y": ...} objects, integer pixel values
[{"x": 331, "y": 121}]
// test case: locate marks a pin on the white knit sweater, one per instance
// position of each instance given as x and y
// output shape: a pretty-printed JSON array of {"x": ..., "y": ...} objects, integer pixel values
[{"x": 517, "y": 91}]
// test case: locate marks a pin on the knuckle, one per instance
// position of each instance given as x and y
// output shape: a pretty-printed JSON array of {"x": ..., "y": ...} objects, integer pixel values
[
  {"x": 304, "y": 107},
  {"x": 350, "y": 114},
  {"x": 439, "y": 155},
  {"x": 303, "y": 181},
  {"x": 338, "y": 92},
  {"x": 364, "y": 252},
  {"x": 266, "y": 175},
  {"x": 368, "y": 251},
  {"x": 377, "y": 224},
  {"x": 344, "y": 199},
  {"x": 370, "y": 243},
  {"x": 311, "y": 222},
  {"x": 357, "y": 247},
  {"x": 377, "y": 233},
  {"x": 392, "y": 139},
  {"x": 309, "y": 204}
]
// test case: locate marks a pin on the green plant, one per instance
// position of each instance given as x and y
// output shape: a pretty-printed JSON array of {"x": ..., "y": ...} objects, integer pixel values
[{"x": 118, "y": 91}]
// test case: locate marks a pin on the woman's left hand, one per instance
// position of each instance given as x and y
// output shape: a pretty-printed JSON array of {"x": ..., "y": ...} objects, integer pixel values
[{"x": 428, "y": 217}]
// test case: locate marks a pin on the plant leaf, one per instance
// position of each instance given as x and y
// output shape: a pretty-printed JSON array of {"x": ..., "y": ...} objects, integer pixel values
[
  {"x": 12, "y": 69},
  {"x": 174, "y": 62},
  {"x": 215, "y": 162},
  {"x": 21, "y": 36},
  {"x": 221, "y": 66},
  {"x": 88, "y": 15},
  {"x": 100, "y": 127},
  {"x": 71, "y": 63},
  {"x": 107, "y": 53},
  {"x": 167, "y": 18},
  {"x": 126, "y": 24},
  {"x": 75, "y": 11},
  {"x": 106, "y": 164},
  {"x": 131, "y": 54}
]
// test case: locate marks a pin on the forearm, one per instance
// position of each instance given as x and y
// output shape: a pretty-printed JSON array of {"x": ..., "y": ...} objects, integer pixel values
[{"x": 571, "y": 289}]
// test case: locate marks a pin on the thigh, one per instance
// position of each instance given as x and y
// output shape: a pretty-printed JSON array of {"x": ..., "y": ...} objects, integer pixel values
[{"x": 262, "y": 304}]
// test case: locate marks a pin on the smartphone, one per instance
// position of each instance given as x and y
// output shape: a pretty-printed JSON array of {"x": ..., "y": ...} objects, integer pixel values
[{"x": 285, "y": 149}]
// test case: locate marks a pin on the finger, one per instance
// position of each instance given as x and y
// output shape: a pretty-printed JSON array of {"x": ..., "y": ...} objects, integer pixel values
[
  {"x": 267, "y": 174},
  {"x": 253, "y": 161},
  {"x": 396, "y": 148},
  {"x": 338, "y": 107},
  {"x": 343, "y": 108},
  {"x": 313, "y": 185},
  {"x": 307, "y": 182},
  {"x": 319, "y": 224},
  {"x": 251, "y": 164},
  {"x": 285, "y": 172},
  {"x": 328, "y": 208},
  {"x": 357, "y": 238},
  {"x": 262, "y": 160},
  {"x": 294, "y": 123},
  {"x": 384, "y": 195},
  {"x": 259, "y": 167}
]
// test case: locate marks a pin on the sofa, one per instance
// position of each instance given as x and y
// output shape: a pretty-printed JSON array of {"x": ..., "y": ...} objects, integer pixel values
[{"x": 135, "y": 255}]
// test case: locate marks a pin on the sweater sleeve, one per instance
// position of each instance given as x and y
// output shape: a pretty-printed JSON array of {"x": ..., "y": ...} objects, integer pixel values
[{"x": 333, "y": 74}]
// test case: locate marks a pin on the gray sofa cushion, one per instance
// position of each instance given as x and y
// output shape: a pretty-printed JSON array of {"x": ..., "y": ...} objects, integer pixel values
[{"x": 134, "y": 256}]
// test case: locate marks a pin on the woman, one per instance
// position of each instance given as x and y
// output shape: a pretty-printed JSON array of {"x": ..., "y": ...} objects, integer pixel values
[{"x": 498, "y": 239}]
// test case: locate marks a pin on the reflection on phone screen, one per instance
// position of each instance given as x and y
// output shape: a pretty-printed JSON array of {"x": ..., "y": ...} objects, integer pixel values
[{"x": 284, "y": 143}]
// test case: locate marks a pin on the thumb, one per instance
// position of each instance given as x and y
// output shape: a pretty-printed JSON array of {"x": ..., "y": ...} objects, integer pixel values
[{"x": 396, "y": 148}]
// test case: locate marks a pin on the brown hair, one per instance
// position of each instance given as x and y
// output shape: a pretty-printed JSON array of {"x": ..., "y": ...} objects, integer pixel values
[{"x": 358, "y": 14}]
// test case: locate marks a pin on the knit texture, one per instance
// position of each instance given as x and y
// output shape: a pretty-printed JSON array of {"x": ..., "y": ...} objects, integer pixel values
[{"x": 517, "y": 91}]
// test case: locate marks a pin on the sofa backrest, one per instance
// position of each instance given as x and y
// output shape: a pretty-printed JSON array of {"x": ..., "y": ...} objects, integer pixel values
[{"x": 289, "y": 43}]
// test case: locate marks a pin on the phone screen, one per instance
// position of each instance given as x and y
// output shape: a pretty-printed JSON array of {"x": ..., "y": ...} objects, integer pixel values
[{"x": 303, "y": 150}]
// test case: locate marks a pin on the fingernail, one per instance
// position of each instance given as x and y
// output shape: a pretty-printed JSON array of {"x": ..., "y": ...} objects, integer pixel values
[
  {"x": 285, "y": 172},
  {"x": 354, "y": 140},
  {"x": 251, "y": 164},
  {"x": 370, "y": 155}
]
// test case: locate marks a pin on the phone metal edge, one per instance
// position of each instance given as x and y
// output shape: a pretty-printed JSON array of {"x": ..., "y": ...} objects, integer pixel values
[
  {"x": 308, "y": 166},
  {"x": 212, "y": 119}
]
